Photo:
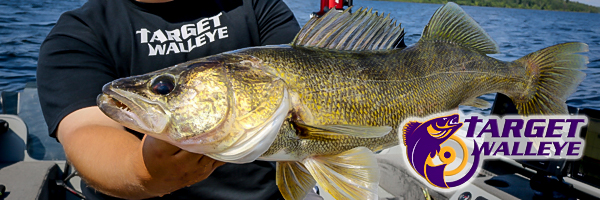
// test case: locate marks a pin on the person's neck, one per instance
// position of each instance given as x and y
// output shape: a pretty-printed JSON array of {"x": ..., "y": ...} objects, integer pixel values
[{"x": 154, "y": 1}]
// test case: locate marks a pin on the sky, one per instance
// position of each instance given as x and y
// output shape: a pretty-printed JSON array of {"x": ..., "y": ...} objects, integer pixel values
[{"x": 589, "y": 2}]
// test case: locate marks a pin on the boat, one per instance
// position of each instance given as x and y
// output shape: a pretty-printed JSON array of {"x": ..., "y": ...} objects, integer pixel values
[{"x": 23, "y": 176}]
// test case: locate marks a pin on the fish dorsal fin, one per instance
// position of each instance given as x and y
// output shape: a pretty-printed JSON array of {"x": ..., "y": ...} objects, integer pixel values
[
  {"x": 342, "y": 130},
  {"x": 409, "y": 128},
  {"x": 450, "y": 23},
  {"x": 342, "y": 30}
]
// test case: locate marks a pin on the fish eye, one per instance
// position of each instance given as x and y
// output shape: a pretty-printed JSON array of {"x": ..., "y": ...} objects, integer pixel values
[{"x": 163, "y": 85}]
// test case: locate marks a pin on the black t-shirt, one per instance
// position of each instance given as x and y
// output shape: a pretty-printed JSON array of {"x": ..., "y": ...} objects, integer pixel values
[{"x": 108, "y": 39}]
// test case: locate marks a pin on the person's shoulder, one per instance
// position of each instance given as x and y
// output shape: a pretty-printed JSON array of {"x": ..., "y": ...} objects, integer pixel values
[
  {"x": 269, "y": 7},
  {"x": 95, "y": 10},
  {"x": 94, "y": 16},
  {"x": 257, "y": 4},
  {"x": 91, "y": 6}
]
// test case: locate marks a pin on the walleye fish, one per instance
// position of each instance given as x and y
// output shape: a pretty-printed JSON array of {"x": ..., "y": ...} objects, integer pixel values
[{"x": 321, "y": 105}]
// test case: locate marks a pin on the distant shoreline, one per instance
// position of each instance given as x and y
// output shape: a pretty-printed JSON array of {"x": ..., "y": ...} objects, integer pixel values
[{"x": 557, "y": 5}]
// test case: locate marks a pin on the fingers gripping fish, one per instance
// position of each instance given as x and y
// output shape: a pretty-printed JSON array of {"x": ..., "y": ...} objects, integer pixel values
[{"x": 320, "y": 105}]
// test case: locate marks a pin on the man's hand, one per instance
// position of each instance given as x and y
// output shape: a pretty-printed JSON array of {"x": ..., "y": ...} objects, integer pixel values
[
  {"x": 170, "y": 168},
  {"x": 117, "y": 163}
]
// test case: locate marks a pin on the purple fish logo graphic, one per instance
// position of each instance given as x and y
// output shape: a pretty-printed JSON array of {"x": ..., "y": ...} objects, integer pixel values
[{"x": 423, "y": 141}]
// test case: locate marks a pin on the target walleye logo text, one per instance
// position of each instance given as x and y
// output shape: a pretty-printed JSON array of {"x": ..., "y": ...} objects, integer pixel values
[
  {"x": 432, "y": 146},
  {"x": 183, "y": 39}
]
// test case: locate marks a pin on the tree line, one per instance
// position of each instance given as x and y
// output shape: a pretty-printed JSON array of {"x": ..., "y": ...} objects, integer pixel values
[{"x": 560, "y": 5}]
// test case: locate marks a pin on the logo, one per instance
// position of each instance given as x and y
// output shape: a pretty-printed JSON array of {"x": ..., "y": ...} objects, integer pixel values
[
  {"x": 423, "y": 141},
  {"x": 185, "y": 38},
  {"x": 435, "y": 151}
]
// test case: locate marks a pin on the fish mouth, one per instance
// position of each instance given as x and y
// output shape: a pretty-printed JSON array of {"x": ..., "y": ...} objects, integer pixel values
[{"x": 132, "y": 110}]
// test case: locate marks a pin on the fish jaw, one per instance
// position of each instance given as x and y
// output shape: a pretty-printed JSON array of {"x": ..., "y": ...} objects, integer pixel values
[{"x": 126, "y": 107}]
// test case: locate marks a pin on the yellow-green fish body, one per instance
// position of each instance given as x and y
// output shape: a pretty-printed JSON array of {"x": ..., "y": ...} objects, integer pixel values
[{"x": 322, "y": 104}]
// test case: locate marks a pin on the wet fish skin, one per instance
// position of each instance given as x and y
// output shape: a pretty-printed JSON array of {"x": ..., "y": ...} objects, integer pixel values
[{"x": 379, "y": 88}]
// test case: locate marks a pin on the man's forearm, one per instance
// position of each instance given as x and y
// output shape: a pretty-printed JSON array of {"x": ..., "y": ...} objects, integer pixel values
[
  {"x": 109, "y": 160},
  {"x": 117, "y": 163}
]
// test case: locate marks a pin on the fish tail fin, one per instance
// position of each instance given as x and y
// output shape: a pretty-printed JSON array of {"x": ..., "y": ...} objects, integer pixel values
[
  {"x": 353, "y": 174},
  {"x": 553, "y": 74}
]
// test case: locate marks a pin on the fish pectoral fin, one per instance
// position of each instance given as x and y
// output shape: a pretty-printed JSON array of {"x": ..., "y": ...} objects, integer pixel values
[
  {"x": 343, "y": 130},
  {"x": 450, "y": 23},
  {"x": 293, "y": 180},
  {"x": 477, "y": 103},
  {"x": 353, "y": 174}
]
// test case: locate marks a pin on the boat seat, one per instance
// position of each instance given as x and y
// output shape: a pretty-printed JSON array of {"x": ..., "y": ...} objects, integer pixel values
[
  {"x": 24, "y": 177},
  {"x": 30, "y": 180},
  {"x": 13, "y": 143}
]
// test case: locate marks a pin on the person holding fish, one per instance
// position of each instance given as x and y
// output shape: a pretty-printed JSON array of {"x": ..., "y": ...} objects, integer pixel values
[
  {"x": 106, "y": 40},
  {"x": 318, "y": 106}
]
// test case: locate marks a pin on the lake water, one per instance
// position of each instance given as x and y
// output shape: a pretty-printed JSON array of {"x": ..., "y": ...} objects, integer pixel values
[{"x": 25, "y": 23}]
